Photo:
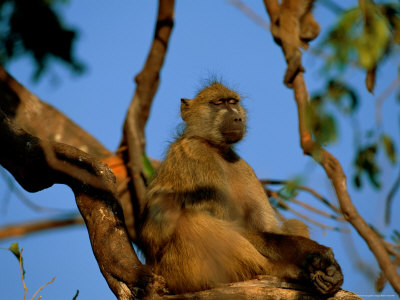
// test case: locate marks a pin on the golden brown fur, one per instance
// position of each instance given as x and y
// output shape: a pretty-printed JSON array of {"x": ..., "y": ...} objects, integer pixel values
[{"x": 208, "y": 220}]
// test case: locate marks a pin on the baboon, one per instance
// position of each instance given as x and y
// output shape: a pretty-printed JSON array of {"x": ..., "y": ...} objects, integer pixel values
[
  {"x": 207, "y": 218},
  {"x": 295, "y": 27}
]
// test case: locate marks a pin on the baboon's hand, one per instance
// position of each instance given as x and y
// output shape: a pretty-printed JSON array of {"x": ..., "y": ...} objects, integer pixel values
[{"x": 324, "y": 272}]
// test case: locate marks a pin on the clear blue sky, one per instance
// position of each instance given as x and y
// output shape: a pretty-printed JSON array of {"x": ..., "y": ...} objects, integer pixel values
[{"x": 209, "y": 37}]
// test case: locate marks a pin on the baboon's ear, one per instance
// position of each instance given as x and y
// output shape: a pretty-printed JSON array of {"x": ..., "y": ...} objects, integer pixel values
[{"x": 185, "y": 103}]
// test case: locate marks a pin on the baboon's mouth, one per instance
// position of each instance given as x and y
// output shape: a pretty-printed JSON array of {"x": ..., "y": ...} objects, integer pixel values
[{"x": 233, "y": 136}]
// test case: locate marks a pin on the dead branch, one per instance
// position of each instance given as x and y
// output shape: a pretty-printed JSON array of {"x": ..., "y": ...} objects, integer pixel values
[
  {"x": 335, "y": 172},
  {"x": 302, "y": 216},
  {"x": 250, "y": 13},
  {"x": 42, "y": 287},
  {"x": 93, "y": 184},
  {"x": 21, "y": 229},
  {"x": 314, "y": 209},
  {"x": 306, "y": 189},
  {"x": 147, "y": 82}
]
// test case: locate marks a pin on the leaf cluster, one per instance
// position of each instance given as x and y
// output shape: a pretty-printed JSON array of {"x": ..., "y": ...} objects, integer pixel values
[
  {"x": 364, "y": 35},
  {"x": 365, "y": 161},
  {"x": 33, "y": 27},
  {"x": 320, "y": 121}
]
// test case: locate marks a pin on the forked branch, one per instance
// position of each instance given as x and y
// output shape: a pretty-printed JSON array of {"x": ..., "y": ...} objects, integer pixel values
[
  {"x": 133, "y": 141},
  {"x": 335, "y": 172},
  {"x": 37, "y": 164}
]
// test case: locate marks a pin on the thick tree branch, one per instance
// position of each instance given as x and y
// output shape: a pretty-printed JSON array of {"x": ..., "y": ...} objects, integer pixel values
[
  {"x": 27, "y": 158},
  {"x": 41, "y": 119},
  {"x": 147, "y": 82},
  {"x": 335, "y": 173},
  {"x": 45, "y": 122}
]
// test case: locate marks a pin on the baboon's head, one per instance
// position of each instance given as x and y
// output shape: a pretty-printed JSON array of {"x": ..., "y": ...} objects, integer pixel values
[{"x": 215, "y": 114}]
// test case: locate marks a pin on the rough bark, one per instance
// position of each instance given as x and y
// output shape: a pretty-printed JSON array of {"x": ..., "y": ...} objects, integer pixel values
[
  {"x": 42, "y": 120},
  {"x": 261, "y": 288},
  {"x": 37, "y": 164},
  {"x": 133, "y": 141}
]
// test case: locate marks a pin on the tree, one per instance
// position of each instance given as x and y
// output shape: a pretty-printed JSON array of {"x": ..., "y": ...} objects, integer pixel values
[{"x": 132, "y": 150}]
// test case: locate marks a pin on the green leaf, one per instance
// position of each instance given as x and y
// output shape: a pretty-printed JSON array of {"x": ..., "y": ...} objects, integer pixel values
[
  {"x": 14, "y": 248},
  {"x": 339, "y": 92},
  {"x": 389, "y": 147},
  {"x": 290, "y": 189},
  {"x": 374, "y": 38},
  {"x": 148, "y": 167},
  {"x": 365, "y": 34},
  {"x": 365, "y": 162},
  {"x": 321, "y": 124}
]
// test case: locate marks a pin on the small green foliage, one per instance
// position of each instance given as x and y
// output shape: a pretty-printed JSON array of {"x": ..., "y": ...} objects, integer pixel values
[
  {"x": 342, "y": 95},
  {"x": 148, "y": 167},
  {"x": 365, "y": 162},
  {"x": 362, "y": 34},
  {"x": 389, "y": 147},
  {"x": 290, "y": 189},
  {"x": 14, "y": 248},
  {"x": 321, "y": 124}
]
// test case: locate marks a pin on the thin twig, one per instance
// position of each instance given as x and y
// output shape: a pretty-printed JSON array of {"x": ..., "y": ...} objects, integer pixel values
[
  {"x": 383, "y": 96},
  {"x": 302, "y": 216},
  {"x": 22, "y": 273},
  {"x": 391, "y": 249},
  {"x": 250, "y": 13},
  {"x": 41, "y": 288},
  {"x": 306, "y": 189},
  {"x": 314, "y": 209},
  {"x": 21, "y": 229}
]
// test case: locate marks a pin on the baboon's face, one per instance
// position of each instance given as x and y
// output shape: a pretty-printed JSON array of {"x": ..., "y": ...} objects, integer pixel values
[
  {"x": 229, "y": 119},
  {"x": 215, "y": 115}
]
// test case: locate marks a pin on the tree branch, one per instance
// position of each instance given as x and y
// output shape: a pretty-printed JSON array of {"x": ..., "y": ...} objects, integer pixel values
[
  {"x": 21, "y": 229},
  {"x": 41, "y": 119},
  {"x": 335, "y": 173},
  {"x": 147, "y": 82},
  {"x": 27, "y": 158},
  {"x": 306, "y": 189}
]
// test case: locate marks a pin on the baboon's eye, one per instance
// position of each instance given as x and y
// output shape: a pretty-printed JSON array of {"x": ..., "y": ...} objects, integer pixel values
[
  {"x": 233, "y": 101},
  {"x": 217, "y": 102}
]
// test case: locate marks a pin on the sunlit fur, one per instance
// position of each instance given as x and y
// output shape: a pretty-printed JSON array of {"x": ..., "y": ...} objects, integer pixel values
[{"x": 207, "y": 218}]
